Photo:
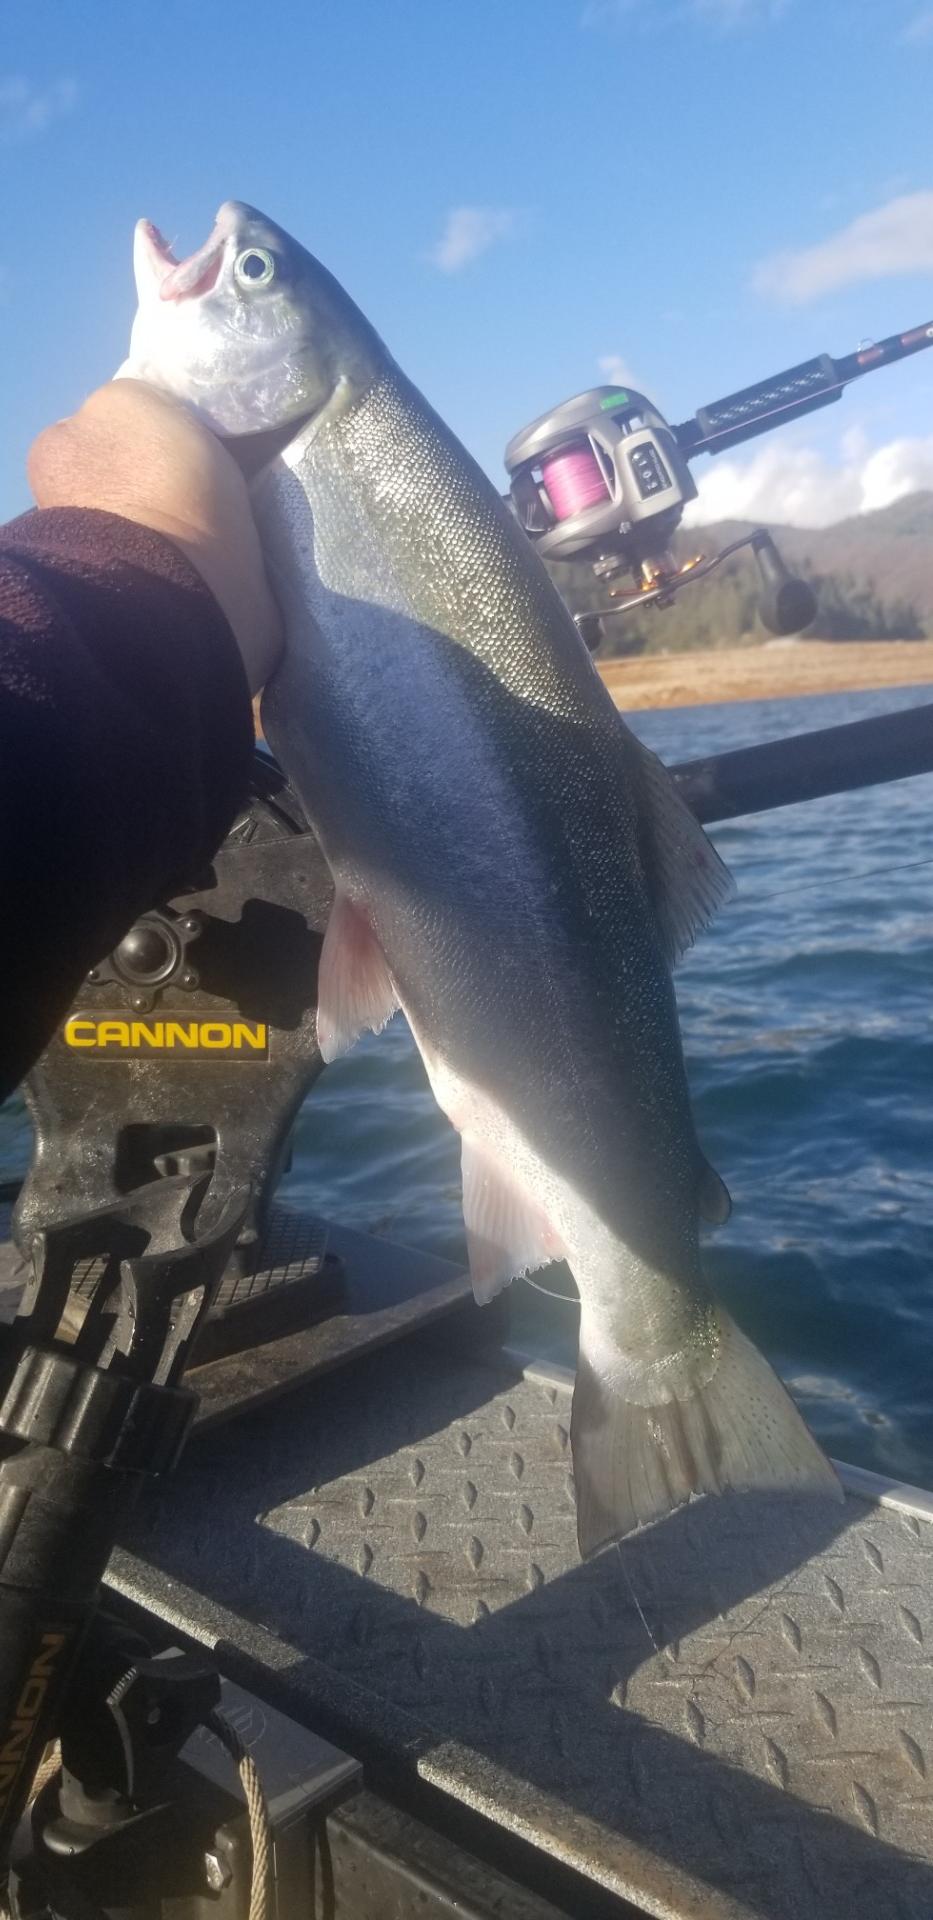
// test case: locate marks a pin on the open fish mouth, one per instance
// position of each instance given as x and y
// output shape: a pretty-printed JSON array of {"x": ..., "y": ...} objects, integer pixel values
[{"x": 184, "y": 279}]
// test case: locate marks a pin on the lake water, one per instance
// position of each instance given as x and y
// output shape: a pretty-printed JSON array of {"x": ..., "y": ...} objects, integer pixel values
[{"x": 806, "y": 1015}]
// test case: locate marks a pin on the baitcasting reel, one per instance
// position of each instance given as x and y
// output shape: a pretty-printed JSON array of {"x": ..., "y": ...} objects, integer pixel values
[
  {"x": 603, "y": 477},
  {"x": 600, "y": 468},
  {"x": 606, "y": 478}
]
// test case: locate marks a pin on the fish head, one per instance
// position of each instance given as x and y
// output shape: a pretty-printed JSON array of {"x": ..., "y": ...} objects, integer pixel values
[{"x": 250, "y": 330}]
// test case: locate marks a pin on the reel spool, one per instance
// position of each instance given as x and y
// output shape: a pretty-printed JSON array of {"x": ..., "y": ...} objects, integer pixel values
[{"x": 600, "y": 474}]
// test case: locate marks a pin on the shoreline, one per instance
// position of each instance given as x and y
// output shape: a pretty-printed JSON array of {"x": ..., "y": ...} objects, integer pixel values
[{"x": 777, "y": 672}]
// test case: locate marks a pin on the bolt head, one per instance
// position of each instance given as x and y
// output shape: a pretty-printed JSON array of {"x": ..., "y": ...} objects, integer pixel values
[
  {"x": 217, "y": 1872},
  {"x": 148, "y": 953},
  {"x": 189, "y": 978}
]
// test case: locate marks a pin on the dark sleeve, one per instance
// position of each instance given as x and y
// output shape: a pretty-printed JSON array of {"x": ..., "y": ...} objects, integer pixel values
[{"x": 125, "y": 747}]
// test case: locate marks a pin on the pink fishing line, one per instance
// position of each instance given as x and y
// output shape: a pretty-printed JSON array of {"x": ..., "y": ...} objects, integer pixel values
[{"x": 573, "y": 480}]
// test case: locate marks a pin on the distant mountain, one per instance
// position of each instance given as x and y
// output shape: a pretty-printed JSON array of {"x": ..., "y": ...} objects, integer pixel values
[
  {"x": 872, "y": 574},
  {"x": 890, "y": 550}
]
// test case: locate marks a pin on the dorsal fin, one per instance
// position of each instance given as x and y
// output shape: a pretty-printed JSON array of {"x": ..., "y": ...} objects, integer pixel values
[{"x": 686, "y": 879}]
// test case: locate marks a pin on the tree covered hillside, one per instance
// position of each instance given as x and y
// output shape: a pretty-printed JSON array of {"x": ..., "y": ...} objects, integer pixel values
[{"x": 872, "y": 575}]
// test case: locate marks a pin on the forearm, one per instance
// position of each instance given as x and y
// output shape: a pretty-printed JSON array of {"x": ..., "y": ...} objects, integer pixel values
[{"x": 125, "y": 740}]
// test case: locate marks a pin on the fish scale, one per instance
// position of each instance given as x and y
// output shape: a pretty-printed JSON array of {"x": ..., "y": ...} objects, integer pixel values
[{"x": 479, "y": 833}]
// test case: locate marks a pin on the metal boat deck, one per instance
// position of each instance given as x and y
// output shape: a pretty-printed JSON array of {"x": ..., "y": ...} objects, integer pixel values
[{"x": 729, "y": 1716}]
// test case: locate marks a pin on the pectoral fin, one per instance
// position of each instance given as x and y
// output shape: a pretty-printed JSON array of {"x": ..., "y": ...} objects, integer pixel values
[{"x": 355, "y": 988}]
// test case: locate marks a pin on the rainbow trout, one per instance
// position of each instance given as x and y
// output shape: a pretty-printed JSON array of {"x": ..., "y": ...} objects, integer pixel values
[{"x": 511, "y": 867}]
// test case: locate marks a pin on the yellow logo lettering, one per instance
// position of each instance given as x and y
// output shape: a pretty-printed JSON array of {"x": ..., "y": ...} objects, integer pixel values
[
  {"x": 110, "y": 1033},
  {"x": 44, "y": 1663},
  {"x": 76, "y": 1029},
  {"x": 244, "y": 1036},
  {"x": 113, "y": 1033},
  {"x": 216, "y": 1033},
  {"x": 14, "y": 1748},
  {"x": 178, "y": 1036},
  {"x": 143, "y": 1036}
]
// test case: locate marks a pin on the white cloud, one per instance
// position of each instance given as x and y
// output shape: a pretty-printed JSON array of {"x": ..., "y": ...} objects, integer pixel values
[
  {"x": 26, "y": 109},
  {"x": 723, "y": 16},
  {"x": 893, "y": 239},
  {"x": 617, "y": 370},
  {"x": 797, "y": 486},
  {"x": 919, "y": 31},
  {"x": 468, "y": 232}
]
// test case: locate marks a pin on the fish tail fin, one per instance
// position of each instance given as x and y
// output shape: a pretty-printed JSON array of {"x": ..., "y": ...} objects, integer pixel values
[{"x": 634, "y": 1463}]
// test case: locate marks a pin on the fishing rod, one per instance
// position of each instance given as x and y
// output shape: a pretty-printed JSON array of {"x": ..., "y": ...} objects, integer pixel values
[
  {"x": 604, "y": 477},
  {"x": 786, "y": 396},
  {"x": 808, "y": 766}
]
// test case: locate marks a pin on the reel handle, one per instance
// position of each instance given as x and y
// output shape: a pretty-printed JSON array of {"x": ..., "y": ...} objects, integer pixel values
[{"x": 787, "y": 604}]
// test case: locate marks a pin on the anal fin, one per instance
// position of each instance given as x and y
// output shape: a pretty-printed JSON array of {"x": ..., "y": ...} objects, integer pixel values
[
  {"x": 507, "y": 1234},
  {"x": 355, "y": 988}
]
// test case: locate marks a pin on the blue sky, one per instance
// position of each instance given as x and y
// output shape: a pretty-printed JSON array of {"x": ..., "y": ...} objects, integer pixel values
[{"x": 700, "y": 191}]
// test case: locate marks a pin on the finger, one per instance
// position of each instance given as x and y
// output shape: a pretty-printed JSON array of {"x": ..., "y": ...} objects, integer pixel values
[{"x": 49, "y": 464}]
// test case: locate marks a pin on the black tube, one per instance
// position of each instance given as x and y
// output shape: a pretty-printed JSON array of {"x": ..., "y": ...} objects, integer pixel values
[
  {"x": 805, "y": 766},
  {"x": 58, "y": 1522}
]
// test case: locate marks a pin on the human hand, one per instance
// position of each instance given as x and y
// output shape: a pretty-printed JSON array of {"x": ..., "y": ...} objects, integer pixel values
[{"x": 135, "y": 451}]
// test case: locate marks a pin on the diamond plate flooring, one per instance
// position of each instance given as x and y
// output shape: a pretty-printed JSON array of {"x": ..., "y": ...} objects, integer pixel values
[{"x": 730, "y": 1716}]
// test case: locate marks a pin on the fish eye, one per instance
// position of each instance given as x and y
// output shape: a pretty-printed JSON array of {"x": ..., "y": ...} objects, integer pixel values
[{"x": 254, "y": 267}]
